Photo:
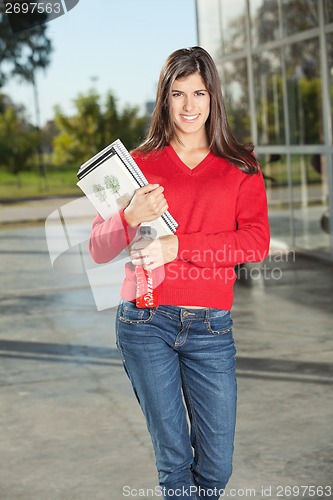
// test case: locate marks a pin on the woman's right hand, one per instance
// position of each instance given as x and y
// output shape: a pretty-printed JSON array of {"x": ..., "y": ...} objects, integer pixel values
[{"x": 147, "y": 204}]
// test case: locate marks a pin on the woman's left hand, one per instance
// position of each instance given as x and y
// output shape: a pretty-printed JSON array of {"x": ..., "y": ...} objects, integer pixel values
[{"x": 156, "y": 253}]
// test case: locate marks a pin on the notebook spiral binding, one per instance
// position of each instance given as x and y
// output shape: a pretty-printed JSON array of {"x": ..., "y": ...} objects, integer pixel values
[
  {"x": 119, "y": 149},
  {"x": 141, "y": 179}
]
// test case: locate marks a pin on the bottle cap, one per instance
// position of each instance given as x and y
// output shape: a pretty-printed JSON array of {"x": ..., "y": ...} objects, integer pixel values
[{"x": 145, "y": 231}]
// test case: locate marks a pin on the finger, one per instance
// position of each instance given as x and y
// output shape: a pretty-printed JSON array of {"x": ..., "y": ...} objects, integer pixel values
[
  {"x": 144, "y": 262},
  {"x": 157, "y": 199},
  {"x": 156, "y": 194},
  {"x": 135, "y": 256},
  {"x": 138, "y": 254},
  {"x": 138, "y": 262},
  {"x": 164, "y": 206},
  {"x": 161, "y": 208},
  {"x": 139, "y": 259},
  {"x": 154, "y": 265},
  {"x": 149, "y": 188},
  {"x": 157, "y": 191}
]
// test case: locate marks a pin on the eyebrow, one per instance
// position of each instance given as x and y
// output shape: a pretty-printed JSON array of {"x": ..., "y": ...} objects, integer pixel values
[{"x": 182, "y": 91}]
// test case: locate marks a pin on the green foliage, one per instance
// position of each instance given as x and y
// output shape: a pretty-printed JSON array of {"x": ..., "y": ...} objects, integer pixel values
[
  {"x": 18, "y": 139},
  {"x": 111, "y": 182},
  {"x": 270, "y": 112},
  {"x": 311, "y": 100},
  {"x": 93, "y": 126},
  {"x": 100, "y": 192},
  {"x": 22, "y": 53}
]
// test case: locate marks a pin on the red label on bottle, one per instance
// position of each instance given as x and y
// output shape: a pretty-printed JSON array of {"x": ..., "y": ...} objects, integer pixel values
[{"x": 146, "y": 295}]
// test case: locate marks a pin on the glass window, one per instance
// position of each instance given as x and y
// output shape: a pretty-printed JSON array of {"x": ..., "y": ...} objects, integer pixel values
[
  {"x": 209, "y": 25},
  {"x": 304, "y": 92},
  {"x": 329, "y": 42},
  {"x": 310, "y": 191},
  {"x": 264, "y": 21},
  {"x": 233, "y": 25},
  {"x": 328, "y": 6},
  {"x": 275, "y": 171},
  {"x": 269, "y": 99},
  {"x": 299, "y": 15},
  {"x": 235, "y": 92}
]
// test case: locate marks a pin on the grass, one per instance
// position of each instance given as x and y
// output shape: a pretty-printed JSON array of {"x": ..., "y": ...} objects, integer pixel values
[
  {"x": 32, "y": 185},
  {"x": 62, "y": 182},
  {"x": 278, "y": 171}
]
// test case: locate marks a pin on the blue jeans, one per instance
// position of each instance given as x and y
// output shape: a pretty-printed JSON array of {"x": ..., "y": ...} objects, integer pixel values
[{"x": 181, "y": 362}]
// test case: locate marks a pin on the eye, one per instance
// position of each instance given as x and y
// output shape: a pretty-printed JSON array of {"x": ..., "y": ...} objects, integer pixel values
[
  {"x": 176, "y": 94},
  {"x": 200, "y": 93}
]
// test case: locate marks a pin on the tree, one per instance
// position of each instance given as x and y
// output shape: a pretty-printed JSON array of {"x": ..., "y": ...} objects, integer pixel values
[
  {"x": 297, "y": 16},
  {"x": 22, "y": 53},
  {"x": 18, "y": 139},
  {"x": 93, "y": 127},
  {"x": 111, "y": 182},
  {"x": 100, "y": 192}
]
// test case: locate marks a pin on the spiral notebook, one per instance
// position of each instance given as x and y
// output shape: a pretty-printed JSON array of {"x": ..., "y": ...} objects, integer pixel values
[{"x": 110, "y": 178}]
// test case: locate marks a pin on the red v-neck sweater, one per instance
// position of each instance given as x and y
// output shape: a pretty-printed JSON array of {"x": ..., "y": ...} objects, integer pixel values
[{"x": 223, "y": 221}]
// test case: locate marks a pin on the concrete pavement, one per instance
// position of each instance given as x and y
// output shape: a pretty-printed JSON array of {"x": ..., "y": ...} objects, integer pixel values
[
  {"x": 70, "y": 426},
  {"x": 30, "y": 211}
]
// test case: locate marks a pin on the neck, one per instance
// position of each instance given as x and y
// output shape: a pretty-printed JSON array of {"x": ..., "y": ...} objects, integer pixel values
[
  {"x": 190, "y": 144},
  {"x": 191, "y": 153}
]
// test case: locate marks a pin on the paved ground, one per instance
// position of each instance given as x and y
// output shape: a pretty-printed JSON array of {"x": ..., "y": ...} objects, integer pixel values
[
  {"x": 70, "y": 426},
  {"x": 30, "y": 211}
]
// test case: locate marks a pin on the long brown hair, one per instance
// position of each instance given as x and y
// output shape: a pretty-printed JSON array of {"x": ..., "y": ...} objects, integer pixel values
[{"x": 182, "y": 63}]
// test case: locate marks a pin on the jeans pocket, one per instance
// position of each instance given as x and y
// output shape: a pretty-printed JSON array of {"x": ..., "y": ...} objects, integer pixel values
[
  {"x": 219, "y": 322},
  {"x": 129, "y": 313}
]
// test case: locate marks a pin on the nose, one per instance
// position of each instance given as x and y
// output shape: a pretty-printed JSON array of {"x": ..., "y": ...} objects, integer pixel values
[{"x": 188, "y": 103}]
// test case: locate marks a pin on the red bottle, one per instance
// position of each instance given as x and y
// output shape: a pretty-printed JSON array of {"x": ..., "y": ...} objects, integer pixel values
[{"x": 146, "y": 293}]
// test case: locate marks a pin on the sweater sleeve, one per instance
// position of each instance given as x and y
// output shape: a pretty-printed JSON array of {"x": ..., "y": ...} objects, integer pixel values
[
  {"x": 109, "y": 237},
  {"x": 248, "y": 242}
]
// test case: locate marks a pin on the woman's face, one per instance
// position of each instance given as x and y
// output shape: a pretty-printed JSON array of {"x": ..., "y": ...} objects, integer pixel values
[{"x": 189, "y": 105}]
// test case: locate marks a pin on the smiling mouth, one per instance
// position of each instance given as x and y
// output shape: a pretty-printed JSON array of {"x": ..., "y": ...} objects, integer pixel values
[{"x": 189, "y": 118}]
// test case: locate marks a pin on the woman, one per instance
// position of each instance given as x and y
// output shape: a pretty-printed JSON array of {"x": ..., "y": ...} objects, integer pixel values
[{"x": 180, "y": 355}]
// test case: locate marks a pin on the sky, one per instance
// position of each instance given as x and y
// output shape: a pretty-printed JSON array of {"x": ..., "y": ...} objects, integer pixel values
[{"x": 108, "y": 45}]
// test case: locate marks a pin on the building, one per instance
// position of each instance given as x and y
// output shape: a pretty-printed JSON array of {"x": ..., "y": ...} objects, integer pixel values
[{"x": 275, "y": 59}]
